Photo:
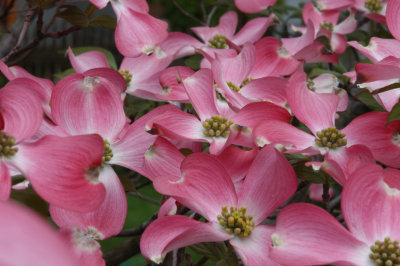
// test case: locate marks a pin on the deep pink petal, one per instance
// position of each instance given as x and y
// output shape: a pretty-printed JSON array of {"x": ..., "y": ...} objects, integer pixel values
[
  {"x": 108, "y": 218},
  {"x": 316, "y": 111},
  {"x": 306, "y": 235},
  {"x": 375, "y": 72},
  {"x": 84, "y": 104},
  {"x": 365, "y": 194},
  {"x": 316, "y": 52},
  {"x": 5, "y": 182},
  {"x": 61, "y": 170},
  {"x": 262, "y": 191},
  {"x": 28, "y": 240},
  {"x": 172, "y": 232},
  {"x": 87, "y": 61},
  {"x": 253, "y": 6},
  {"x": 197, "y": 189},
  {"x": 253, "y": 30},
  {"x": 378, "y": 48},
  {"x": 392, "y": 17}
]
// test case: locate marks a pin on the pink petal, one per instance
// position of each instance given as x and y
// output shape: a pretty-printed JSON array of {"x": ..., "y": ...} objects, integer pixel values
[
  {"x": 316, "y": 111},
  {"x": 347, "y": 26},
  {"x": 179, "y": 44},
  {"x": 108, "y": 218},
  {"x": 378, "y": 48},
  {"x": 84, "y": 104},
  {"x": 334, "y": 5},
  {"x": 253, "y": 30},
  {"x": 378, "y": 71},
  {"x": 197, "y": 189},
  {"x": 271, "y": 89},
  {"x": 338, "y": 43},
  {"x": 58, "y": 170},
  {"x": 28, "y": 240},
  {"x": 392, "y": 18},
  {"x": 226, "y": 27},
  {"x": 171, "y": 82},
  {"x": 21, "y": 110},
  {"x": 306, "y": 235},
  {"x": 310, "y": 13},
  {"x": 87, "y": 61},
  {"x": 100, "y": 4},
  {"x": 316, "y": 52},
  {"x": 168, "y": 208},
  {"x": 294, "y": 45},
  {"x": 262, "y": 192},
  {"x": 253, "y": 6},
  {"x": 365, "y": 194},
  {"x": 172, "y": 232},
  {"x": 5, "y": 182},
  {"x": 316, "y": 191}
]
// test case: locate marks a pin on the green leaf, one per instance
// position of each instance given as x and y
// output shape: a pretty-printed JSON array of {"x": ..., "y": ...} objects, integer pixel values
[
  {"x": 63, "y": 74},
  {"x": 318, "y": 71},
  {"x": 395, "y": 113},
  {"x": 308, "y": 173},
  {"x": 366, "y": 98},
  {"x": 213, "y": 251},
  {"x": 193, "y": 62},
  {"x": 28, "y": 197},
  {"x": 104, "y": 21},
  {"x": 73, "y": 15},
  {"x": 110, "y": 58}
]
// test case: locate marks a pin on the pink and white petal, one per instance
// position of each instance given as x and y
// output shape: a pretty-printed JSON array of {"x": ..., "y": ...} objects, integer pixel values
[
  {"x": 253, "y": 6},
  {"x": 294, "y": 45},
  {"x": 316, "y": 191},
  {"x": 143, "y": 38},
  {"x": 347, "y": 26},
  {"x": 316, "y": 52},
  {"x": 87, "y": 61},
  {"x": 375, "y": 72},
  {"x": 217, "y": 145},
  {"x": 376, "y": 17},
  {"x": 200, "y": 89},
  {"x": 237, "y": 161},
  {"x": 306, "y": 235},
  {"x": 310, "y": 13},
  {"x": 254, "y": 250},
  {"x": 262, "y": 192},
  {"x": 338, "y": 43},
  {"x": 171, "y": 82},
  {"x": 21, "y": 110},
  {"x": 334, "y": 5},
  {"x": 378, "y": 48},
  {"x": 392, "y": 18},
  {"x": 253, "y": 30},
  {"x": 48, "y": 128},
  {"x": 28, "y": 239},
  {"x": 108, "y": 218},
  {"x": 293, "y": 139},
  {"x": 84, "y": 104},
  {"x": 162, "y": 159},
  {"x": 344, "y": 100},
  {"x": 100, "y": 4},
  {"x": 172, "y": 232},
  {"x": 110, "y": 74},
  {"x": 227, "y": 27},
  {"x": 316, "y": 111},
  {"x": 365, "y": 194},
  {"x": 62, "y": 170},
  {"x": 179, "y": 44},
  {"x": 5, "y": 182},
  {"x": 137, "y": 5},
  {"x": 271, "y": 89},
  {"x": 197, "y": 189},
  {"x": 326, "y": 83},
  {"x": 168, "y": 208}
]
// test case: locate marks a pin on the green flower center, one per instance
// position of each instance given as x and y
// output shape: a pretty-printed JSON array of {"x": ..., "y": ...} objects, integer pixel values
[
  {"x": 217, "y": 126},
  {"x": 235, "y": 221},
  {"x": 326, "y": 26},
  {"x": 237, "y": 88},
  {"x": 127, "y": 76},
  {"x": 373, "y": 5},
  {"x": 331, "y": 138},
  {"x": 218, "y": 42},
  {"x": 107, "y": 155},
  {"x": 7, "y": 143},
  {"x": 385, "y": 252}
]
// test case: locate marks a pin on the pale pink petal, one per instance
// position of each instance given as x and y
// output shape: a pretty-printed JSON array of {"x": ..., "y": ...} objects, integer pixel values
[
  {"x": 392, "y": 17},
  {"x": 168, "y": 208},
  {"x": 137, "y": 5},
  {"x": 365, "y": 194},
  {"x": 316, "y": 191},
  {"x": 87, "y": 61},
  {"x": 334, "y": 5},
  {"x": 147, "y": 33},
  {"x": 338, "y": 43},
  {"x": 21, "y": 110},
  {"x": 171, "y": 82},
  {"x": 254, "y": 250},
  {"x": 378, "y": 48},
  {"x": 316, "y": 111},
  {"x": 28, "y": 239},
  {"x": 344, "y": 100},
  {"x": 226, "y": 27},
  {"x": 306, "y": 235},
  {"x": 84, "y": 104},
  {"x": 179, "y": 44},
  {"x": 271, "y": 89},
  {"x": 347, "y": 26},
  {"x": 253, "y": 30},
  {"x": 262, "y": 191},
  {"x": 100, "y": 4},
  {"x": 108, "y": 218},
  {"x": 5, "y": 182},
  {"x": 49, "y": 128},
  {"x": 310, "y": 13},
  {"x": 294, "y": 45},
  {"x": 253, "y": 6},
  {"x": 172, "y": 232},
  {"x": 197, "y": 189},
  {"x": 62, "y": 170},
  {"x": 377, "y": 17}
]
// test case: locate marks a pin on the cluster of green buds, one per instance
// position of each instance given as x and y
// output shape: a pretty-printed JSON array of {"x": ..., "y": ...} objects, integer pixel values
[
  {"x": 331, "y": 138},
  {"x": 385, "y": 252},
  {"x": 218, "y": 42},
  {"x": 326, "y": 26},
  {"x": 108, "y": 154},
  {"x": 235, "y": 221},
  {"x": 127, "y": 76},
  {"x": 6, "y": 145},
  {"x": 217, "y": 126},
  {"x": 373, "y": 5}
]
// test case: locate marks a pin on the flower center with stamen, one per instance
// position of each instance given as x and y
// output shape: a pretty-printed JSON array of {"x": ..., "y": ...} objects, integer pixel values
[
  {"x": 127, "y": 76},
  {"x": 217, "y": 126},
  {"x": 235, "y": 221},
  {"x": 310, "y": 84},
  {"x": 326, "y": 26},
  {"x": 107, "y": 155},
  {"x": 7, "y": 143},
  {"x": 373, "y": 5},
  {"x": 386, "y": 252},
  {"x": 330, "y": 138},
  {"x": 86, "y": 240},
  {"x": 218, "y": 42}
]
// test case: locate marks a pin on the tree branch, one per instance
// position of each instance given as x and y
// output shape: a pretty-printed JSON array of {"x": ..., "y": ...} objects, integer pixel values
[
  {"x": 122, "y": 252},
  {"x": 138, "y": 230},
  {"x": 187, "y": 14}
]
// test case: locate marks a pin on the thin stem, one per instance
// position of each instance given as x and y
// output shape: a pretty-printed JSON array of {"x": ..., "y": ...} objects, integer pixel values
[
  {"x": 202, "y": 261},
  {"x": 211, "y": 14},
  {"x": 140, "y": 229},
  {"x": 187, "y": 14},
  {"x": 122, "y": 252},
  {"x": 386, "y": 88},
  {"x": 203, "y": 10},
  {"x": 60, "y": 3},
  {"x": 140, "y": 196},
  {"x": 325, "y": 195}
]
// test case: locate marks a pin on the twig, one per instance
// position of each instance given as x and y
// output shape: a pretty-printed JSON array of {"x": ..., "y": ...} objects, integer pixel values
[
  {"x": 211, "y": 14},
  {"x": 325, "y": 195},
  {"x": 140, "y": 196},
  {"x": 187, "y": 14},
  {"x": 60, "y": 3},
  {"x": 122, "y": 252},
  {"x": 138, "y": 230},
  {"x": 203, "y": 10},
  {"x": 386, "y": 88}
]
